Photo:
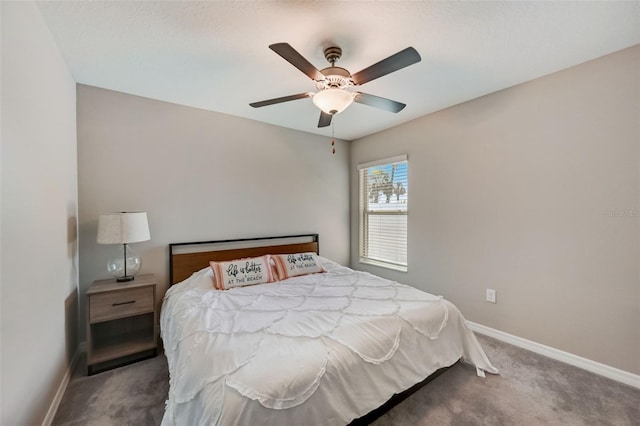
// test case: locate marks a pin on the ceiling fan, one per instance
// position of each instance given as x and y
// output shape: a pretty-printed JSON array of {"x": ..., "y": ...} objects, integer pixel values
[{"x": 333, "y": 83}]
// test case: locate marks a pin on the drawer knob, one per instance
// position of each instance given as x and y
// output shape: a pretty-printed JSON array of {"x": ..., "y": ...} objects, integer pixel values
[{"x": 128, "y": 302}]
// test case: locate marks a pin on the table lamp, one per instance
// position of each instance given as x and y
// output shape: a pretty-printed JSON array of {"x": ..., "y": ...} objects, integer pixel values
[{"x": 123, "y": 228}]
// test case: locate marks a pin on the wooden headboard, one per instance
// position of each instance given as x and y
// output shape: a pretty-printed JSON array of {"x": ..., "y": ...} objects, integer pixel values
[{"x": 187, "y": 258}]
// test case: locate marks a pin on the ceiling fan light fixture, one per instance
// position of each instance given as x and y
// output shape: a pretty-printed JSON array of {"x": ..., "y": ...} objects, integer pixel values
[{"x": 333, "y": 101}]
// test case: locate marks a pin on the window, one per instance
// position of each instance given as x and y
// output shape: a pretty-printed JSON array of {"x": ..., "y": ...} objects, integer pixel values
[{"x": 384, "y": 195}]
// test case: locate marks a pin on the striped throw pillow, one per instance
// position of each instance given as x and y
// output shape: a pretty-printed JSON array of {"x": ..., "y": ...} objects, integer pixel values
[
  {"x": 292, "y": 265},
  {"x": 242, "y": 272}
]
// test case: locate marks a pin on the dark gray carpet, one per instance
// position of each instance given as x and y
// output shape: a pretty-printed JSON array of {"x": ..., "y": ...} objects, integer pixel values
[
  {"x": 130, "y": 395},
  {"x": 530, "y": 390}
]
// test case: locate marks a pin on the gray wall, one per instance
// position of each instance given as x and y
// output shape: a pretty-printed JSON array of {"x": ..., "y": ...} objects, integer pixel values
[
  {"x": 39, "y": 197},
  {"x": 202, "y": 175},
  {"x": 533, "y": 191}
]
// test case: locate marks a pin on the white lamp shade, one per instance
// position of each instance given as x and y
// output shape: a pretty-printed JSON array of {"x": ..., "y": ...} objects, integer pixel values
[
  {"x": 123, "y": 228},
  {"x": 333, "y": 101}
]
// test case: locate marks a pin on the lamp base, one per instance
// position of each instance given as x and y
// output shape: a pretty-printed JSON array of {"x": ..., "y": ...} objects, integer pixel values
[
  {"x": 124, "y": 263},
  {"x": 125, "y": 278}
]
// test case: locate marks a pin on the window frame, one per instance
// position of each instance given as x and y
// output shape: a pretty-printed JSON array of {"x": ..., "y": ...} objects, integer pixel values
[{"x": 364, "y": 214}]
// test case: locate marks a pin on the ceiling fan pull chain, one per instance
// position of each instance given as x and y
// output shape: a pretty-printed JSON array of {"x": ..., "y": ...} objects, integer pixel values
[{"x": 333, "y": 141}]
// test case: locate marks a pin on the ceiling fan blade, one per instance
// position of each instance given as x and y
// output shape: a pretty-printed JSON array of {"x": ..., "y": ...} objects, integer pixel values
[
  {"x": 297, "y": 60},
  {"x": 325, "y": 119},
  {"x": 280, "y": 100},
  {"x": 402, "y": 59},
  {"x": 378, "y": 102}
]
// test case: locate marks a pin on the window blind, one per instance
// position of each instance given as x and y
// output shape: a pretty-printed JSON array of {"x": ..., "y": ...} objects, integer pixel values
[{"x": 384, "y": 196}]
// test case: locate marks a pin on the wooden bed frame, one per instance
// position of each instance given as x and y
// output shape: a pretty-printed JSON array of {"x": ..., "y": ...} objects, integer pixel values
[{"x": 187, "y": 258}]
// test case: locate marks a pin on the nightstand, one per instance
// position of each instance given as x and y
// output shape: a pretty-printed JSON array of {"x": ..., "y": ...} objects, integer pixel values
[{"x": 121, "y": 322}]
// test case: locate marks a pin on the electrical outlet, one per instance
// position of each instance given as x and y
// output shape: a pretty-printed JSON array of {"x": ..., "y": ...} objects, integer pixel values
[{"x": 491, "y": 295}]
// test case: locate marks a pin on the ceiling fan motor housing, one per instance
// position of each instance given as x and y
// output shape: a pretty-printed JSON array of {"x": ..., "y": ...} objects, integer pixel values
[{"x": 335, "y": 78}]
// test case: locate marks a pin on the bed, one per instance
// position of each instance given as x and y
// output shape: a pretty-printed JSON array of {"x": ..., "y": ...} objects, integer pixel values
[{"x": 326, "y": 348}]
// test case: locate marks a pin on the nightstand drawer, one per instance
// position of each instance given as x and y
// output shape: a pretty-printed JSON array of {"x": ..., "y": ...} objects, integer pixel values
[{"x": 120, "y": 304}]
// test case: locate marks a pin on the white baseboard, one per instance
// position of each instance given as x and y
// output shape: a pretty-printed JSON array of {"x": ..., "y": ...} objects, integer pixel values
[
  {"x": 616, "y": 374},
  {"x": 53, "y": 408}
]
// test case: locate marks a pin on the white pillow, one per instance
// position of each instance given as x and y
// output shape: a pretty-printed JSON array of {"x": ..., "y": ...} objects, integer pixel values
[
  {"x": 242, "y": 272},
  {"x": 292, "y": 265}
]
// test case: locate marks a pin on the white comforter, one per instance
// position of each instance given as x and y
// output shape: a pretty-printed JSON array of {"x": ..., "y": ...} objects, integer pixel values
[{"x": 319, "y": 349}]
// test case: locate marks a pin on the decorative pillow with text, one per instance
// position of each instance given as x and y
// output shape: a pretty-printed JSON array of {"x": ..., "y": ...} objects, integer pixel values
[
  {"x": 291, "y": 265},
  {"x": 242, "y": 272}
]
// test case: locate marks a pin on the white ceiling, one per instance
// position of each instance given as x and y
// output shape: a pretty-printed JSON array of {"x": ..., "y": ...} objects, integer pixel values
[{"x": 214, "y": 55}]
